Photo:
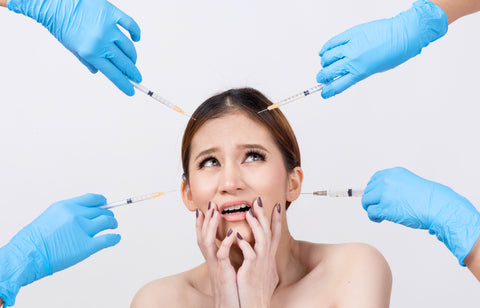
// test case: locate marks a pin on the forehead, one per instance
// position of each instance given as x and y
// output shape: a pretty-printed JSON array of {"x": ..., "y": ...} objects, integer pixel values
[{"x": 233, "y": 129}]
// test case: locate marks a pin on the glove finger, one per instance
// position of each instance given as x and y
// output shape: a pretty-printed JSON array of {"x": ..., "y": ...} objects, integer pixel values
[
  {"x": 90, "y": 200},
  {"x": 92, "y": 212},
  {"x": 333, "y": 71},
  {"x": 333, "y": 55},
  {"x": 335, "y": 41},
  {"x": 375, "y": 213},
  {"x": 98, "y": 224},
  {"x": 371, "y": 198},
  {"x": 115, "y": 76},
  {"x": 338, "y": 85},
  {"x": 124, "y": 64},
  {"x": 90, "y": 67},
  {"x": 127, "y": 47},
  {"x": 104, "y": 241},
  {"x": 129, "y": 24}
]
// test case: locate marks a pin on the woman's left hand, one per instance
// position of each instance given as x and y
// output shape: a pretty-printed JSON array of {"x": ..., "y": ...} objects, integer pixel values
[{"x": 257, "y": 278}]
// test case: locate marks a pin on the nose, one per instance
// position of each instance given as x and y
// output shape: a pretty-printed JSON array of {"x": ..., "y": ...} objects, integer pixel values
[{"x": 231, "y": 179}]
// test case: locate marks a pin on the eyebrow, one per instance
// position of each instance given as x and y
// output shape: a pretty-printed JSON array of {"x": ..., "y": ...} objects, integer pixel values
[{"x": 243, "y": 146}]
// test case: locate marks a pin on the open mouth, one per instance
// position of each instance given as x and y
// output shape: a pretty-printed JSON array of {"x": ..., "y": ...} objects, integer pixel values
[{"x": 236, "y": 209}]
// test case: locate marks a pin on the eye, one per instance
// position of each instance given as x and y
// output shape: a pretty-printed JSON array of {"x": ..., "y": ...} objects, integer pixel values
[
  {"x": 255, "y": 156},
  {"x": 208, "y": 162}
]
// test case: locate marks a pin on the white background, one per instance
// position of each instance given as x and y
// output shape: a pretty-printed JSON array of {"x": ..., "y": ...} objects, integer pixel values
[{"x": 65, "y": 132}]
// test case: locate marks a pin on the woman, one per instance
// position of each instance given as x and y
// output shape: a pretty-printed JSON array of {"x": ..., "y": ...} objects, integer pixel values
[{"x": 241, "y": 172}]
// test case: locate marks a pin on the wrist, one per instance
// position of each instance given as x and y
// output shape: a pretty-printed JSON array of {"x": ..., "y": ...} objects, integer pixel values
[
  {"x": 3, "y": 3},
  {"x": 433, "y": 21}
]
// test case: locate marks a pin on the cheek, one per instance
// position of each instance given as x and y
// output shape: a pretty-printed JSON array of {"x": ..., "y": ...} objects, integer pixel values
[
  {"x": 271, "y": 183},
  {"x": 202, "y": 190}
]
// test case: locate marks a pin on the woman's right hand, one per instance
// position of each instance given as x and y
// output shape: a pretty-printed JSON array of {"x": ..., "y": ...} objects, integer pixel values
[{"x": 223, "y": 277}]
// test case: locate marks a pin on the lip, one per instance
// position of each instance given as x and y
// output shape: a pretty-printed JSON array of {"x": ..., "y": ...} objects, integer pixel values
[{"x": 235, "y": 216}]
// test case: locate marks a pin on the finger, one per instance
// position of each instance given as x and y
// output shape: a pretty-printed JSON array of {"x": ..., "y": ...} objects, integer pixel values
[
  {"x": 276, "y": 227},
  {"x": 260, "y": 214},
  {"x": 371, "y": 198},
  {"x": 333, "y": 55},
  {"x": 104, "y": 241},
  {"x": 208, "y": 216},
  {"x": 211, "y": 235},
  {"x": 338, "y": 85},
  {"x": 258, "y": 232},
  {"x": 223, "y": 253},
  {"x": 247, "y": 250},
  {"x": 329, "y": 73},
  {"x": 90, "y": 200},
  {"x": 375, "y": 213},
  {"x": 90, "y": 67},
  {"x": 98, "y": 224},
  {"x": 114, "y": 75},
  {"x": 124, "y": 64},
  {"x": 127, "y": 47},
  {"x": 335, "y": 41},
  {"x": 129, "y": 24},
  {"x": 199, "y": 223}
]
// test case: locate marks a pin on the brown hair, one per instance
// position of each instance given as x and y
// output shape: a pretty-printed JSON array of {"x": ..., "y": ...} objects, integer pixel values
[{"x": 249, "y": 101}]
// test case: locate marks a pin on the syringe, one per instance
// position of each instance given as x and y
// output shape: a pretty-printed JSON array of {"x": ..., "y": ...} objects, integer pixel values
[
  {"x": 292, "y": 98},
  {"x": 133, "y": 200},
  {"x": 335, "y": 193},
  {"x": 159, "y": 98}
]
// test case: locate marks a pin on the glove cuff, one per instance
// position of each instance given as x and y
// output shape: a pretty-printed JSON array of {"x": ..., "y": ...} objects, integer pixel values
[
  {"x": 20, "y": 264},
  {"x": 433, "y": 21},
  {"x": 460, "y": 230}
]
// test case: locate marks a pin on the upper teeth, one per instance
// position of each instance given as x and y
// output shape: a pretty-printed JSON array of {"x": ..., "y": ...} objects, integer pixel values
[{"x": 236, "y": 207}]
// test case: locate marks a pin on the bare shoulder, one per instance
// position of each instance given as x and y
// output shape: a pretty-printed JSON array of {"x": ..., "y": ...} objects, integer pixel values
[
  {"x": 173, "y": 291},
  {"x": 367, "y": 278},
  {"x": 347, "y": 275}
]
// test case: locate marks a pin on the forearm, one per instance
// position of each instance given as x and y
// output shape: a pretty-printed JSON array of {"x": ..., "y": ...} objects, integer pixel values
[
  {"x": 3, "y": 3},
  {"x": 456, "y": 9},
  {"x": 472, "y": 261},
  {"x": 1, "y": 302}
]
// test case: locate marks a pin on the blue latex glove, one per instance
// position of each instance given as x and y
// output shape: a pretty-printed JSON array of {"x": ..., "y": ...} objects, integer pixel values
[
  {"x": 60, "y": 237},
  {"x": 379, "y": 45},
  {"x": 400, "y": 196},
  {"x": 88, "y": 28}
]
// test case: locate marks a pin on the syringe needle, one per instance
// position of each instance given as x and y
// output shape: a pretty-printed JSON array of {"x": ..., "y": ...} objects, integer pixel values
[
  {"x": 158, "y": 98},
  {"x": 133, "y": 200},
  {"x": 294, "y": 97}
]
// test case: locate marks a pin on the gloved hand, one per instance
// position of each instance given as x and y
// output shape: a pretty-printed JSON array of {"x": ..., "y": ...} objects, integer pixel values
[
  {"x": 88, "y": 28},
  {"x": 400, "y": 196},
  {"x": 60, "y": 237},
  {"x": 379, "y": 45}
]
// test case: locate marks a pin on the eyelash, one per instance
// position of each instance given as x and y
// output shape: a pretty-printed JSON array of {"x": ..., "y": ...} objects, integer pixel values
[{"x": 262, "y": 157}]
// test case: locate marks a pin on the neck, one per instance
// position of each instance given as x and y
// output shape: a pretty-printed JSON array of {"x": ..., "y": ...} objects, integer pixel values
[{"x": 288, "y": 265}]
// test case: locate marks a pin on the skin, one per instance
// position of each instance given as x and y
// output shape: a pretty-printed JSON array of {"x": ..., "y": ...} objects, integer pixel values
[
  {"x": 267, "y": 268},
  {"x": 3, "y": 3},
  {"x": 456, "y": 9},
  {"x": 472, "y": 261}
]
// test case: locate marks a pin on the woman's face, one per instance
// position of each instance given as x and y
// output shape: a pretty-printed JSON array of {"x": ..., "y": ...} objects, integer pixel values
[{"x": 234, "y": 160}]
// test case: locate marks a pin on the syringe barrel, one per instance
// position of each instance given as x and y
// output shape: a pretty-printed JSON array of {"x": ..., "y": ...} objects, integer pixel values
[{"x": 349, "y": 192}]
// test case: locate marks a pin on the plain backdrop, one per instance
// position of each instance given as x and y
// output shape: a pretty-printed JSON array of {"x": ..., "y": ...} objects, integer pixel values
[{"x": 65, "y": 132}]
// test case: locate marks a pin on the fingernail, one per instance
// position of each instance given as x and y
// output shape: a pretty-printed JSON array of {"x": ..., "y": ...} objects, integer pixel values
[
  {"x": 251, "y": 212},
  {"x": 239, "y": 236},
  {"x": 213, "y": 212},
  {"x": 196, "y": 212},
  {"x": 209, "y": 204},
  {"x": 259, "y": 201},
  {"x": 229, "y": 232},
  {"x": 279, "y": 208}
]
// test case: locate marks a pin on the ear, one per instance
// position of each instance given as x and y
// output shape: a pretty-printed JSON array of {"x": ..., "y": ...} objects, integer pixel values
[
  {"x": 187, "y": 197},
  {"x": 295, "y": 179}
]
